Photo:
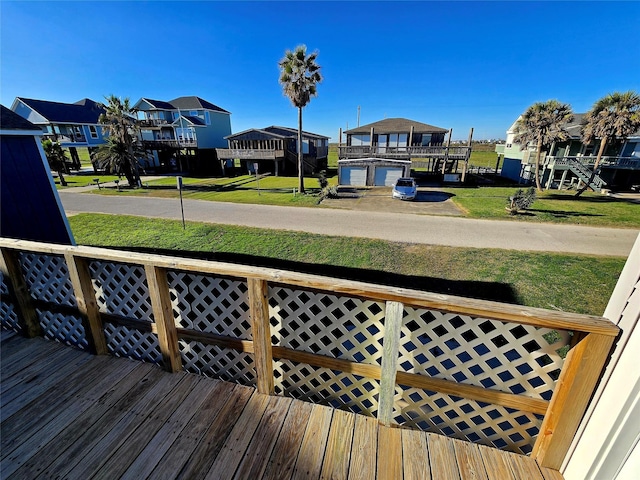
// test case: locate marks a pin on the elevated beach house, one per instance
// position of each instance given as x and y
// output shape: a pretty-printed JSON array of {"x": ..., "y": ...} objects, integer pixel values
[
  {"x": 571, "y": 162},
  {"x": 183, "y": 133},
  {"x": 72, "y": 124},
  {"x": 274, "y": 149},
  {"x": 389, "y": 144}
]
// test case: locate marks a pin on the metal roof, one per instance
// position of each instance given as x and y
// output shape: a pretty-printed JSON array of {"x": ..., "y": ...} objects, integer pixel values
[
  {"x": 10, "y": 120},
  {"x": 85, "y": 112},
  {"x": 396, "y": 125}
]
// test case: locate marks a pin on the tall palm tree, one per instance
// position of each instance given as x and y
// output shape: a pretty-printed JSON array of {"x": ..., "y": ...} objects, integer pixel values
[
  {"x": 121, "y": 151},
  {"x": 615, "y": 116},
  {"x": 542, "y": 124},
  {"x": 56, "y": 156},
  {"x": 299, "y": 75}
]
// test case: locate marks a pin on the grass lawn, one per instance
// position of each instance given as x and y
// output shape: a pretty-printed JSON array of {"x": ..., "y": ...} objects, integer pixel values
[
  {"x": 242, "y": 189},
  {"x": 577, "y": 283},
  {"x": 551, "y": 206},
  {"x": 481, "y": 158},
  {"x": 84, "y": 180}
]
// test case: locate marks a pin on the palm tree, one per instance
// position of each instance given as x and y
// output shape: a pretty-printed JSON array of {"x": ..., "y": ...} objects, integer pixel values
[
  {"x": 57, "y": 157},
  {"x": 614, "y": 116},
  {"x": 299, "y": 75},
  {"x": 542, "y": 124},
  {"x": 121, "y": 151}
]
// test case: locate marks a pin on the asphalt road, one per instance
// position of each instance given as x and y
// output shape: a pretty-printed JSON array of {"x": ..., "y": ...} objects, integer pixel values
[{"x": 424, "y": 229}]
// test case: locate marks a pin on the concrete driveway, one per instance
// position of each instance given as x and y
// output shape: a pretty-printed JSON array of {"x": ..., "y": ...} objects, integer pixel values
[{"x": 430, "y": 201}]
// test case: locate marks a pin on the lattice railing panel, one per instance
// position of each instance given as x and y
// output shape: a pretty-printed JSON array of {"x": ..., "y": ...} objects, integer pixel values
[
  {"x": 122, "y": 290},
  {"x": 217, "y": 362},
  {"x": 477, "y": 422},
  {"x": 512, "y": 358},
  {"x": 340, "y": 327},
  {"x": 327, "y": 387},
  {"x": 210, "y": 304},
  {"x": 131, "y": 343},
  {"x": 47, "y": 277},
  {"x": 8, "y": 315},
  {"x": 67, "y": 329}
]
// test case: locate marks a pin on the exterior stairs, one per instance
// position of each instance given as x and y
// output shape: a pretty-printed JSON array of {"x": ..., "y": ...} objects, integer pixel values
[{"x": 582, "y": 172}]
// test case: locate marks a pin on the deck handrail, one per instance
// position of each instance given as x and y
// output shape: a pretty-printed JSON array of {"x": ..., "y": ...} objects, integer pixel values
[{"x": 593, "y": 336}]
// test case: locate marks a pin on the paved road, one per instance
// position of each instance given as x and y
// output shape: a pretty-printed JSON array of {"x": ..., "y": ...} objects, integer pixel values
[{"x": 425, "y": 229}]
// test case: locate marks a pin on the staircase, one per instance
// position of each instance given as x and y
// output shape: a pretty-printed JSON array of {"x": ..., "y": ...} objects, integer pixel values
[{"x": 582, "y": 172}]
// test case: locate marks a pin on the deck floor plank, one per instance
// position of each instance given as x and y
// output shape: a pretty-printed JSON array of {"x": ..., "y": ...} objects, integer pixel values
[
  {"x": 285, "y": 451},
  {"x": 206, "y": 451},
  {"x": 259, "y": 450},
  {"x": 389, "y": 453},
  {"x": 364, "y": 449},
  {"x": 470, "y": 461},
  {"x": 338, "y": 451},
  {"x": 442, "y": 457},
  {"x": 235, "y": 446},
  {"x": 414, "y": 453},
  {"x": 116, "y": 451},
  {"x": 311, "y": 453},
  {"x": 185, "y": 423},
  {"x": 100, "y": 417}
]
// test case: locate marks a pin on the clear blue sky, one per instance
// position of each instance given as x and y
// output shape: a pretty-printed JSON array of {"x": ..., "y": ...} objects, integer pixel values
[{"x": 455, "y": 64}]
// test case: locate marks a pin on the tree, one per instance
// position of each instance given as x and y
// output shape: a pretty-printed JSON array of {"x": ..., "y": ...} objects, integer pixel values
[
  {"x": 542, "y": 124},
  {"x": 121, "y": 151},
  {"x": 615, "y": 116},
  {"x": 56, "y": 156},
  {"x": 299, "y": 75}
]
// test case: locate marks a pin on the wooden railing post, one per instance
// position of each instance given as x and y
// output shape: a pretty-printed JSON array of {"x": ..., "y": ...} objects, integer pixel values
[
  {"x": 163, "y": 316},
  {"x": 392, "y": 325},
  {"x": 85, "y": 294},
  {"x": 261, "y": 332},
  {"x": 25, "y": 309},
  {"x": 575, "y": 386}
]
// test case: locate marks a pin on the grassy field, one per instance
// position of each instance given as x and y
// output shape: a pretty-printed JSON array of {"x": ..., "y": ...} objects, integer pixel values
[
  {"x": 551, "y": 206},
  {"x": 577, "y": 283},
  {"x": 84, "y": 180}
]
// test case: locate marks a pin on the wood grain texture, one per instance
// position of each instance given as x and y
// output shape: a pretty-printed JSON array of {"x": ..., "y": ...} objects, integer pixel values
[
  {"x": 392, "y": 325},
  {"x": 415, "y": 455},
  {"x": 581, "y": 371},
  {"x": 19, "y": 290},
  {"x": 442, "y": 458},
  {"x": 338, "y": 451},
  {"x": 389, "y": 453},
  {"x": 364, "y": 450},
  {"x": 311, "y": 453},
  {"x": 470, "y": 461},
  {"x": 261, "y": 334},
  {"x": 496, "y": 463}
]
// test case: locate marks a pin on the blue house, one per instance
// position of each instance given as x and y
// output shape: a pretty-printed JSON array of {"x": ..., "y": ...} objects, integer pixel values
[
  {"x": 71, "y": 124},
  {"x": 183, "y": 133}
]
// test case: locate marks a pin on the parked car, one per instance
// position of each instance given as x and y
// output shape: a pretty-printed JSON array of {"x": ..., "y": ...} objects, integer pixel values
[{"x": 405, "y": 189}]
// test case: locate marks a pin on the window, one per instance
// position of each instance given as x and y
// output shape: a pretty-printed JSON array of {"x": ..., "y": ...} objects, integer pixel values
[
  {"x": 357, "y": 140},
  {"x": 207, "y": 117},
  {"x": 193, "y": 113},
  {"x": 93, "y": 131}
]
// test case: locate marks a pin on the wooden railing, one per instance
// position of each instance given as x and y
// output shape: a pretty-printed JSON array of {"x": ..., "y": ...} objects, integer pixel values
[
  {"x": 589, "y": 161},
  {"x": 477, "y": 370},
  {"x": 360, "y": 151}
]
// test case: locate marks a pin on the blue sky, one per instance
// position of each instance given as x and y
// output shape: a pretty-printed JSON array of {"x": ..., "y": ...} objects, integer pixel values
[{"x": 455, "y": 64}]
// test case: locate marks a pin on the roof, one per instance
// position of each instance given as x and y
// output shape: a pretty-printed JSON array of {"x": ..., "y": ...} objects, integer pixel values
[
  {"x": 10, "y": 120},
  {"x": 85, "y": 111},
  {"x": 192, "y": 120},
  {"x": 397, "y": 125},
  {"x": 277, "y": 132},
  {"x": 194, "y": 102},
  {"x": 158, "y": 103}
]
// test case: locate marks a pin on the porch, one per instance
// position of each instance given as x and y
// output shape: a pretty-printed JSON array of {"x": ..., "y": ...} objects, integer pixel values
[{"x": 389, "y": 371}]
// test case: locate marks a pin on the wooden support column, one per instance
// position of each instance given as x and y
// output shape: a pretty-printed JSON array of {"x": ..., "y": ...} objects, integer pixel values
[
  {"x": 80, "y": 276},
  {"x": 261, "y": 332},
  {"x": 576, "y": 384},
  {"x": 446, "y": 151},
  {"x": 371, "y": 140},
  {"x": 564, "y": 177},
  {"x": 27, "y": 315},
  {"x": 163, "y": 315},
  {"x": 392, "y": 325}
]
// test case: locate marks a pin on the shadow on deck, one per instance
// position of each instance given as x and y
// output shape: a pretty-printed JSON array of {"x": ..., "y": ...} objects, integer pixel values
[{"x": 69, "y": 414}]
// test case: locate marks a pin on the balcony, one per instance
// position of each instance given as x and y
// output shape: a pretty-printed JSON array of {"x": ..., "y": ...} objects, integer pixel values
[
  {"x": 628, "y": 163},
  {"x": 153, "y": 122},
  {"x": 66, "y": 138},
  {"x": 367, "y": 151},
  {"x": 513, "y": 380}
]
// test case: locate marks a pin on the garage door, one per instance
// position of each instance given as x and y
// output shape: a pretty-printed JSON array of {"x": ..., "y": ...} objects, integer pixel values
[
  {"x": 353, "y": 176},
  {"x": 387, "y": 175}
]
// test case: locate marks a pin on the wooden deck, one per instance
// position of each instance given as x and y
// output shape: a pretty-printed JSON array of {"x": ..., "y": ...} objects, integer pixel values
[{"x": 68, "y": 414}]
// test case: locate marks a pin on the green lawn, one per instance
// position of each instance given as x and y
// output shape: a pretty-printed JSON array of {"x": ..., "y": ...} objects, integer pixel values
[
  {"x": 577, "y": 283},
  {"x": 551, "y": 206},
  {"x": 84, "y": 180}
]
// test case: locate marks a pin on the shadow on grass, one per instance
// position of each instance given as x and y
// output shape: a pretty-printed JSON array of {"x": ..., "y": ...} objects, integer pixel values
[
  {"x": 563, "y": 213},
  {"x": 494, "y": 291}
]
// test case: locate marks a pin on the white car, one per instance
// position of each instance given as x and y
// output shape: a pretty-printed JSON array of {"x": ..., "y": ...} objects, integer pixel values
[{"x": 405, "y": 189}]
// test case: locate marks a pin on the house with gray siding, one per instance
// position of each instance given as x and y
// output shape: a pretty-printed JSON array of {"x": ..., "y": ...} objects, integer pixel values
[{"x": 73, "y": 125}]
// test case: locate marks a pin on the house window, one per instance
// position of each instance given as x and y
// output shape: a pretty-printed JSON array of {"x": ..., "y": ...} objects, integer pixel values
[
  {"x": 94, "y": 131},
  {"x": 207, "y": 117},
  {"x": 193, "y": 113},
  {"x": 357, "y": 140}
]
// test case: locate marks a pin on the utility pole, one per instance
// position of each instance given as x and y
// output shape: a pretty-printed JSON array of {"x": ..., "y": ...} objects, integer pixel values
[{"x": 358, "y": 115}]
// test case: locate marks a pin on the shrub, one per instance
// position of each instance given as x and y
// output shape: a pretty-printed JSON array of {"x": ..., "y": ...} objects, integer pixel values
[{"x": 521, "y": 200}]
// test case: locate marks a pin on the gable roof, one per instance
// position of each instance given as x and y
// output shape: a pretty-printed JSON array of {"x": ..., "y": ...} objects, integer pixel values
[
  {"x": 10, "y": 120},
  {"x": 396, "y": 125},
  {"x": 157, "y": 103},
  {"x": 192, "y": 120},
  {"x": 276, "y": 132},
  {"x": 193, "y": 102},
  {"x": 86, "y": 112}
]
